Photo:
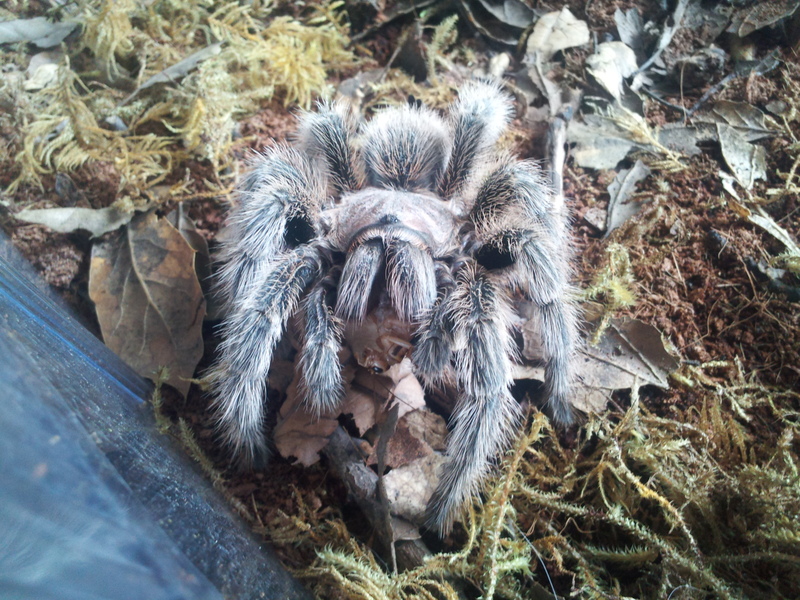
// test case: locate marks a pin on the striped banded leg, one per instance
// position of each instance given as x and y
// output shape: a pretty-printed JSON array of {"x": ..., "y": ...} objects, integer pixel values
[
  {"x": 405, "y": 148},
  {"x": 320, "y": 371},
  {"x": 478, "y": 118},
  {"x": 327, "y": 135}
]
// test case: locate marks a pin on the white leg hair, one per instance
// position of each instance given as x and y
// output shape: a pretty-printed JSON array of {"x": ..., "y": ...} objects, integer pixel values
[
  {"x": 433, "y": 346},
  {"x": 355, "y": 285},
  {"x": 251, "y": 331},
  {"x": 320, "y": 371},
  {"x": 515, "y": 219},
  {"x": 486, "y": 414},
  {"x": 281, "y": 186},
  {"x": 326, "y": 135},
  {"x": 405, "y": 148},
  {"x": 478, "y": 118},
  {"x": 410, "y": 279}
]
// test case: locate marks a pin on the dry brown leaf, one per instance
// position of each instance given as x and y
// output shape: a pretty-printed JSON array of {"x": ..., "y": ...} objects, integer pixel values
[
  {"x": 630, "y": 27},
  {"x": 622, "y": 205},
  {"x": 417, "y": 434},
  {"x": 599, "y": 143},
  {"x": 630, "y": 353},
  {"x": 761, "y": 14},
  {"x": 300, "y": 433},
  {"x": 96, "y": 221},
  {"x": 747, "y": 161},
  {"x": 148, "y": 300},
  {"x": 363, "y": 406},
  {"x": 748, "y": 119},
  {"x": 369, "y": 392},
  {"x": 611, "y": 65}
]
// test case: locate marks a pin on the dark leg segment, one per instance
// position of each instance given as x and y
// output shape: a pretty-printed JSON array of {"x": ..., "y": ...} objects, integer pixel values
[
  {"x": 358, "y": 275},
  {"x": 433, "y": 346},
  {"x": 478, "y": 117},
  {"x": 281, "y": 187},
  {"x": 405, "y": 148},
  {"x": 517, "y": 189},
  {"x": 559, "y": 335},
  {"x": 326, "y": 134}
]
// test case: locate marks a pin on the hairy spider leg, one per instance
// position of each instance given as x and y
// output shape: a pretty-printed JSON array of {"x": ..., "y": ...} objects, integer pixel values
[
  {"x": 251, "y": 332},
  {"x": 486, "y": 414},
  {"x": 409, "y": 273},
  {"x": 327, "y": 135},
  {"x": 320, "y": 371},
  {"x": 360, "y": 270},
  {"x": 276, "y": 204},
  {"x": 478, "y": 118},
  {"x": 405, "y": 148},
  {"x": 433, "y": 344},
  {"x": 525, "y": 242}
]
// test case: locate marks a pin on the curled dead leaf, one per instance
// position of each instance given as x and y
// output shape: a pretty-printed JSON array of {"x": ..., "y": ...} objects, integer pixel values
[
  {"x": 599, "y": 144},
  {"x": 630, "y": 353},
  {"x": 611, "y": 65},
  {"x": 621, "y": 205},
  {"x": 747, "y": 161},
  {"x": 97, "y": 221},
  {"x": 148, "y": 300},
  {"x": 417, "y": 434}
]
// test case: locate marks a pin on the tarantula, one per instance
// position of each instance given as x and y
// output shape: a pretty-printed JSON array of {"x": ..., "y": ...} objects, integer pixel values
[{"x": 417, "y": 208}]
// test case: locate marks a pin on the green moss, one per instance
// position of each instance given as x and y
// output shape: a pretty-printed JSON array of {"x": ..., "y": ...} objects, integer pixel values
[{"x": 613, "y": 282}]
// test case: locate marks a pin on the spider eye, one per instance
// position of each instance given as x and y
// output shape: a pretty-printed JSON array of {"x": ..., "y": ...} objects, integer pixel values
[
  {"x": 298, "y": 231},
  {"x": 494, "y": 257}
]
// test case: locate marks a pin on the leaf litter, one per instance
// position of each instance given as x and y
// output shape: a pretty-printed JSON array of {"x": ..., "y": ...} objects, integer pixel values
[
  {"x": 148, "y": 299},
  {"x": 636, "y": 502}
]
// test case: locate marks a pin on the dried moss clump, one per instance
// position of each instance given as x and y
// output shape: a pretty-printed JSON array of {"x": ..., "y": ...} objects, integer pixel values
[{"x": 173, "y": 80}]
